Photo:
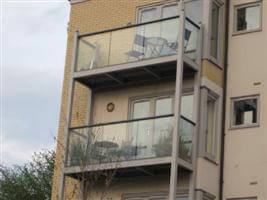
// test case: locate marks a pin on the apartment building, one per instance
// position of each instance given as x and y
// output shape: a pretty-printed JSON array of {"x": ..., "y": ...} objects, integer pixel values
[{"x": 166, "y": 98}]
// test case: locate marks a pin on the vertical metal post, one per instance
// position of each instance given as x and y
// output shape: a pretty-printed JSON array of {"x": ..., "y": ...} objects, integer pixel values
[
  {"x": 177, "y": 104},
  {"x": 68, "y": 117},
  {"x": 196, "y": 114}
]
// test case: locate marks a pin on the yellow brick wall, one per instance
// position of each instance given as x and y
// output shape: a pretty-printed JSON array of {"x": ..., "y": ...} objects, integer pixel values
[{"x": 89, "y": 16}]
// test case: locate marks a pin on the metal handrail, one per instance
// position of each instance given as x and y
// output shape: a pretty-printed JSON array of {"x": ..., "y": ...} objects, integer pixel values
[
  {"x": 136, "y": 25},
  {"x": 131, "y": 120}
]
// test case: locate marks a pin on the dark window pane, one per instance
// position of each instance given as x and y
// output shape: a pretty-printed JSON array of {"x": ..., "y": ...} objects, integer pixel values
[
  {"x": 245, "y": 112},
  {"x": 193, "y": 10},
  {"x": 241, "y": 19},
  {"x": 214, "y": 30},
  {"x": 248, "y": 18}
]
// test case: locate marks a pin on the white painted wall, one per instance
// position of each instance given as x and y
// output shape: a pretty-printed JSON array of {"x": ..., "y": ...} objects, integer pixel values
[{"x": 245, "y": 169}]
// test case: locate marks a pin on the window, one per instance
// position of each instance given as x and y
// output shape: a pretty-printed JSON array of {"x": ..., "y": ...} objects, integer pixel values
[
  {"x": 150, "y": 133},
  {"x": 245, "y": 112},
  {"x": 215, "y": 19},
  {"x": 193, "y": 10},
  {"x": 158, "y": 12},
  {"x": 247, "y": 18},
  {"x": 247, "y": 198},
  {"x": 209, "y": 123},
  {"x": 146, "y": 133},
  {"x": 154, "y": 197},
  {"x": 162, "y": 105},
  {"x": 187, "y": 103},
  {"x": 207, "y": 196}
]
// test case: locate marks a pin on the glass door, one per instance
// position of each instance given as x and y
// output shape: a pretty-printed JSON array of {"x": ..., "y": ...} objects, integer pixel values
[
  {"x": 162, "y": 128},
  {"x": 141, "y": 130}
]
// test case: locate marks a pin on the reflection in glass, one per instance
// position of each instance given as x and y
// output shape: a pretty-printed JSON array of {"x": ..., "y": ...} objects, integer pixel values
[
  {"x": 245, "y": 112},
  {"x": 193, "y": 10},
  {"x": 248, "y": 18},
  {"x": 210, "y": 132},
  {"x": 214, "y": 30},
  {"x": 187, "y": 106}
]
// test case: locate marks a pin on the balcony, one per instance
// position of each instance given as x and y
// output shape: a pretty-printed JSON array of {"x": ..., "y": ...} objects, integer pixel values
[
  {"x": 146, "y": 52},
  {"x": 129, "y": 143}
]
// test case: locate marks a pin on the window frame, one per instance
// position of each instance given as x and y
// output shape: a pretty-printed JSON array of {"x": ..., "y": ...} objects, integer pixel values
[
  {"x": 244, "y": 198},
  {"x": 235, "y": 99},
  {"x": 246, "y": 5},
  {"x": 151, "y": 195},
  {"x": 215, "y": 60},
  {"x": 152, "y": 101},
  {"x": 205, "y": 93},
  {"x": 158, "y": 6}
]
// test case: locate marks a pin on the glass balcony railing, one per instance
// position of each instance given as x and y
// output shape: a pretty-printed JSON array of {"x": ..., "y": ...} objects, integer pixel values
[
  {"x": 128, "y": 140},
  {"x": 135, "y": 43}
]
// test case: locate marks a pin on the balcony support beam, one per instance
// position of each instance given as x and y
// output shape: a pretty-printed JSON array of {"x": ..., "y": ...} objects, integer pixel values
[
  {"x": 114, "y": 79},
  {"x": 177, "y": 104},
  {"x": 196, "y": 110},
  {"x": 145, "y": 171},
  {"x": 125, "y": 66},
  {"x": 152, "y": 73},
  {"x": 119, "y": 165}
]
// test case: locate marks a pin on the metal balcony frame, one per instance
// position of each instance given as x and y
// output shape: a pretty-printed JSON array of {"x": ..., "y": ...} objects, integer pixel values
[
  {"x": 128, "y": 163},
  {"x": 174, "y": 160}
]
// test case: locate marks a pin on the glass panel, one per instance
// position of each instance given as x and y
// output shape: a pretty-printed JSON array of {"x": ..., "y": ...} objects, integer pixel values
[
  {"x": 135, "y": 44},
  {"x": 187, "y": 106},
  {"x": 186, "y": 136},
  {"x": 163, "y": 136},
  {"x": 112, "y": 143},
  {"x": 141, "y": 109},
  {"x": 163, "y": 106},
  {"x": 93, "y": 51},
  {"x": 214, "y": 30},
  {"x": 149, "y": 15},
  {"x": 141, "y": 131},
  {"x": 245, "y": 112},
  {"x": 193, "y": 10},
  {"x": 210, "y": 132},
  {"x": 191, "y": 40},
  {"x": 248, "y": 18},
  {"x": 170, "y": 11}
]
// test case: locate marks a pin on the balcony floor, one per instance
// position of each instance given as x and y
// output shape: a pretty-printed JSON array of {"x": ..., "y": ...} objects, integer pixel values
[
  {"x": 128, "y": 169},
  {"x": 110, "y": 77}
]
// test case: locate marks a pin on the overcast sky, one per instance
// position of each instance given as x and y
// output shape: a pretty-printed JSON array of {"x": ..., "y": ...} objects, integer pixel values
[{"x": 34, "y": 41}]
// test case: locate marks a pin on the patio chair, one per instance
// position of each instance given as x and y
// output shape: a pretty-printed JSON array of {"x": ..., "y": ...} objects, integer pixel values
[{"x": 139, "y": 47}]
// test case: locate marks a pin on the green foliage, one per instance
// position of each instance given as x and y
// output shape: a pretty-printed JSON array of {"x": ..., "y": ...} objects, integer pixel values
[
  {"x": 164, "y": 145},
  {"x": 32, "y": 181}
]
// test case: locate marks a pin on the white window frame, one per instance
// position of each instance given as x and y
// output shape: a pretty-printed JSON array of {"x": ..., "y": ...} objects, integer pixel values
[
  {"x": 208, "y": 196},
  {"x": 203, "y": 195},
  {"x": 234, "y": 99},
  {"x": 152, "y": 101},
  {"x": 244, "y": 198},
  {"x": 152, "y": 196},
  {"x": 247, "y": 5},
  {"x": 218, "y": 60},
  {"x": 205, "y": 93},
  {"x": 158, "y": 6}
]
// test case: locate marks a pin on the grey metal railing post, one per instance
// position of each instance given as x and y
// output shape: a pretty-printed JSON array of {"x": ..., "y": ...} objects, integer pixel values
[
  {"x": 177, "y": 104},
  {"x": 197, "y": 80}
]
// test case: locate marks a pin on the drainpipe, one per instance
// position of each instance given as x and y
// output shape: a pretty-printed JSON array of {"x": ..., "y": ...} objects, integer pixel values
[{"x": 227, "y": 8}]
